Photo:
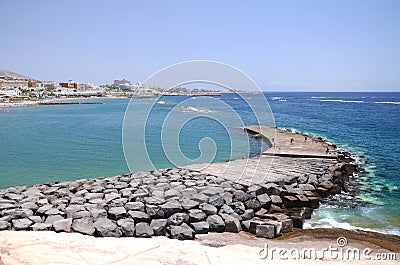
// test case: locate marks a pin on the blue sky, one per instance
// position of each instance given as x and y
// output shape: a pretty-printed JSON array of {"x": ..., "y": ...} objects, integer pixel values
[{"x": 283, "y": 45}]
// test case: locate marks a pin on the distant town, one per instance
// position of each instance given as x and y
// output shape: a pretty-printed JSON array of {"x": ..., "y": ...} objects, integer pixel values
[{"x": 16, "y": 88}]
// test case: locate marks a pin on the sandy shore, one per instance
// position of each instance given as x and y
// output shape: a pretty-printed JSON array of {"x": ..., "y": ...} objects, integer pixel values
[{"x": 215, "y": 248}]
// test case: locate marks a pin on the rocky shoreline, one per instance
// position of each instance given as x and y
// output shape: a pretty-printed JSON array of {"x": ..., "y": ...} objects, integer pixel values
[{"x": 178, "y": 203}]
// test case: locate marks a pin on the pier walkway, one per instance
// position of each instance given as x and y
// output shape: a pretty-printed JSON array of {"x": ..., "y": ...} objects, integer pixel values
[{"x": 284, "y": 161}]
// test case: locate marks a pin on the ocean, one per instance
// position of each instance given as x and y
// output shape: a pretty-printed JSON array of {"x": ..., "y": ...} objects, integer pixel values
[{"x": 42, "y": 144}]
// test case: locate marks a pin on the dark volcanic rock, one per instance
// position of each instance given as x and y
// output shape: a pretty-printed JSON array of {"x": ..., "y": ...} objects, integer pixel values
[
  {"x": 171, "y": 207},
  {"x": 208, "y": 209},
  {"x": 144, "y": 230},
  {"x": 154, "y": 211},
  {"x": 182, "y": 232},
  {"x": 200, "y": 227},
  {"x": 139, "y": 217},
  {"x": 178, "y": 218},
  {"x": 196, "y": 215},
  {"x": 216, "y": 223},
  {"x": 159, "y": 226},
  {"x": 116, "y": 213},
  {"x": 127, "y": 227},
  {"x": 265, "y": 231}
]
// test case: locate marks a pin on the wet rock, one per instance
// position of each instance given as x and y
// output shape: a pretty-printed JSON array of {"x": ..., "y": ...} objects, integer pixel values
[
  {"x": 106, "y": 228},
  {"x": 326, "y": 185},
  {"x": 143, "y": 230},
  {"x": 216, "y": 223},
  {"x": 336, "y": 189},
  {"x": 287, "y": 225},
  {"x": 159, "y": 226},
  {"x": 298, "y": 221}
]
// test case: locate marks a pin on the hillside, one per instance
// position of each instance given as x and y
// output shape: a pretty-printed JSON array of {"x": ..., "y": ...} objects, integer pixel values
[{"x": 14, "y": 75}]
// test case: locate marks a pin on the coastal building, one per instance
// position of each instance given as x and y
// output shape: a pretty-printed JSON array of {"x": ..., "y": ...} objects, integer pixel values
[
  {"x": 117, "y": 82},
  {"x": 69, "y": 84},
  {"x": 9, "y": 93}
]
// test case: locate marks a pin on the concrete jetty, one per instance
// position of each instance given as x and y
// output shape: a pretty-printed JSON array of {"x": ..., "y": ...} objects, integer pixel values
[
  {"x": 285, "y": 160},
  {"x": 289, "y": 144}
]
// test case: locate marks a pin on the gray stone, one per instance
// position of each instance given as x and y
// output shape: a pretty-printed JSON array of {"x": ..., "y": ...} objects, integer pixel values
[
  {"x": 127, "y": 227},
  {"x": 41, "y": 227},
  {"x": 139, "y": 217},
  {"x": 116, "y": 213},
  {"x": 30, "y": 205},
  {"x": 188, "y": 204},
  {"x": 200, "y": 198},
  {"x": 216, "y": 223},
  {"x": 225, "y": 209},
  {"x": 240, "y": 195},
  {"x": 232, "y": 224},
  {"x": 135, "y": 206},
  {"x": 264, "y": 199},
  {"x": 106, "y": 228},
  {"x": 216, "y": 201},
  {"x": 98, "y": 213},
  {"x": 154, "y": 200},
  {"x": 277, "y": 226},
  {"x": 21, "y": 224},
  {"x": 44, "y": 209},
  {"x": 111, "y": 196},
  {"x": 238, "y": 207},
  {"x": 275, "y": 199},
  {"x": 53, "y": 211},
  {"x": 248, "y": 214},
  {"x": 265, "y": 231},
  {"x": 154, "y": 211},
  {"x": 93, "y": 196},
  {"x": 253, "y": 225},
  {"x": 35, "y": 219},
  {"x": 144, "y": 230},
  {"x": 159, "y": 226},
  {"x": 5, "y": 206},
  {"x": 4, "y": 225},
  {"x": 178, "y": 218},
  {"x": 196, "y": 215},
  {"x": 52, "y": 218},
  {"x": 182, "y": 232},
  {"x": 171, "y": 194},
  {"x": 287, "y": 225},
  {"x": 63, "y": 225},
  {"x": 200, "y": 227},
  {"x": 21, "y": 213},
  {"x": 208, "y": 209},
  {"x": 83, "y": 226},
  {"x": 253, "y": 204},
  {"x": 212, "y": 191},
  {"x": 171, "y": 207}
]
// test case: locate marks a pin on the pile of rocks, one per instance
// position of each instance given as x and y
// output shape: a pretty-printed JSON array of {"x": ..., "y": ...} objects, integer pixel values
[{"x": 177, "y": 203}]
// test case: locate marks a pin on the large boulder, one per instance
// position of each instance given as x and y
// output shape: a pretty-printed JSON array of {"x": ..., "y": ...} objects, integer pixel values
[
  {"x": 144, "y": 230},
  {"x": 159, "y": 226},
  {"x": 178, "y": 218},
  {"x": 127, "y": 227},
  {"x": 196, "y": 215},
  {"x": 116, "y": 213},
  {"x": 63, "y": 225},
  {"x": 21, "y": 224},
  {"x": 182, "y": 232},
  {"x": 171, "y": 207},
  {"x": 106, "y": 228},
  {"x": 83, "y": 226},
  {"x": 200, "y": 227},
  {"x": 216, "y": 223},
  {"x": 139, "y": 217}
]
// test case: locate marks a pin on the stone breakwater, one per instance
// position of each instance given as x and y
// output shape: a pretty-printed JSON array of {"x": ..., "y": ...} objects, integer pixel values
[{"x": 178, "y": 203}]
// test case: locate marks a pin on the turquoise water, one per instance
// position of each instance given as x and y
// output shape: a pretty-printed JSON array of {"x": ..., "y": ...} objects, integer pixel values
[{"x": 53, "y": 143}]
